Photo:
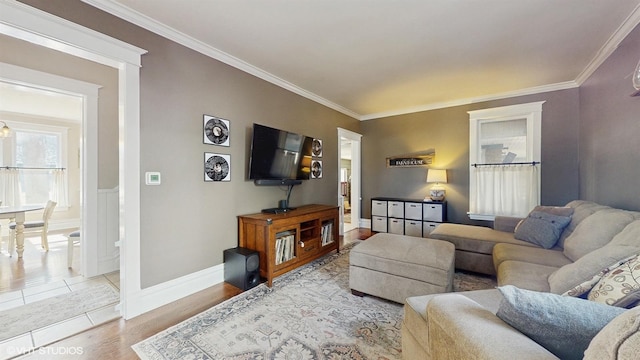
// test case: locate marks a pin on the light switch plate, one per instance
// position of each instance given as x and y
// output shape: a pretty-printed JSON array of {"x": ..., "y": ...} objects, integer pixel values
[{"x": 152, "y": 178}]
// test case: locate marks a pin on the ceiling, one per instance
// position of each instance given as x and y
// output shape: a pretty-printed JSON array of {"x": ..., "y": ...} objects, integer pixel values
[
  {"x": 376, "y": 58},
  {"x": 20, "y": 100}
]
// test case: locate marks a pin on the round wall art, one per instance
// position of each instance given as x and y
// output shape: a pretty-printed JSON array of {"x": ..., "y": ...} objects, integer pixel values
[
  {"x": 316, "y": 148},
  {"x": 217, "y": 167},
  {"x": 216, "y": 130},
  {"x": 316, "y": 169}
]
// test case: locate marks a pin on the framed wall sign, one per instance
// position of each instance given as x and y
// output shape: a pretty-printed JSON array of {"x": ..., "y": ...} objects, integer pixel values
[{"x": 422, "y": 158}]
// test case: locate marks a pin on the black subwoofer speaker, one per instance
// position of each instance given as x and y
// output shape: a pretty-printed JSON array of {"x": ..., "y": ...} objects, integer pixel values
[{"x": 242, "y": 267}]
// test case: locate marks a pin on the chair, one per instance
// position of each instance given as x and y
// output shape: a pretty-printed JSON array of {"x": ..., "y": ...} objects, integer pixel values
[
  {"x": 71, "y": 238},
  {"x": 42, "y": 225}
]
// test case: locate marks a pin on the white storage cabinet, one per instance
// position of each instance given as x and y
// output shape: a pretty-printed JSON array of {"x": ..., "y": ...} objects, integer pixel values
[{"x": 407, "y": 216}]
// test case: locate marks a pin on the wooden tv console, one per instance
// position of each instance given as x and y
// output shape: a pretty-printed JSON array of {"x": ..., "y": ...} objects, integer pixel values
[{"x": 288, "y": 240}]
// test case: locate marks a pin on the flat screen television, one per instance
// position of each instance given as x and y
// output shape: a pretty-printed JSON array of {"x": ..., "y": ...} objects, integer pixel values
[{"x": 279, "y": 157}]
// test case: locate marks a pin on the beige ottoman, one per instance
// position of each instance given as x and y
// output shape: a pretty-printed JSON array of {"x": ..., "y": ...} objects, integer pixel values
[{"x": 396, "y": 267}]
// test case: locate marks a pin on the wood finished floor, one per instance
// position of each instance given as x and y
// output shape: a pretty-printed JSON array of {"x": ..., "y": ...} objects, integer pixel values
[
  {"x": 37, "y": 267},
  {"x": 114, "y": 339}
]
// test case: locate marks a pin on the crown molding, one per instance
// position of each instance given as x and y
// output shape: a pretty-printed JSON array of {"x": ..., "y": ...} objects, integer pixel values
[
  {"x": 16, "y": 19},
  {"x": 611, "y": 45},
  {"x": 156, "y": 27},
  {"x": 145, "y": 22},
  {"x": 467, "y": 101}
]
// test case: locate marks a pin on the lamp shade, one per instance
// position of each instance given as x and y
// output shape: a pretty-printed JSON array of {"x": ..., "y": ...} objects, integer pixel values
[
  {"x": 4, "y": 130},
  {"x": 437, "y": 176}
]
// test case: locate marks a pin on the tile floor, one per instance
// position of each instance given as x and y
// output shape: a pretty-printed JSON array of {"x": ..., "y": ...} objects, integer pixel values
[{"x": 41, "y": 337}]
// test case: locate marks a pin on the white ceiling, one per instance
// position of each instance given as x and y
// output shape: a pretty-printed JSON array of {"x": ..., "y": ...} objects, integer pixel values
[
  {"x": 373, "y": 58},
  {"x": 33, "y": 101}
]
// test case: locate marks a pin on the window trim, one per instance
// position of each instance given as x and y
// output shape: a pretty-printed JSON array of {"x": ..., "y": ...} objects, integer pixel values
[
  {"x": 63, "y": 146},
  {"x": 532, "y": 112}
]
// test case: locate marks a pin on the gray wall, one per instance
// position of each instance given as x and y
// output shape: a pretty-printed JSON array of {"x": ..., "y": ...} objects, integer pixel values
[
  {"x": 610, "y": 130},
  {"x": 447, "y": 131},
  {"x": 186, "y": 223}
]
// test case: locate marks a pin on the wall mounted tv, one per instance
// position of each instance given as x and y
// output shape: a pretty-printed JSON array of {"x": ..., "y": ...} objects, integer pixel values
[{"x": 279, "y": 157}]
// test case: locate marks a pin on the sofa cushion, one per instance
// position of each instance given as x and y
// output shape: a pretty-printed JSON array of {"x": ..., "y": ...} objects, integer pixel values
[
  {"x": 506, "y": 223},
  {"x": 477, "y": 239},
  {"x": 543, "y": 225},
  {"x": 460, "y": 328},
  {"x": 415, "y": 311},
  {"x": 563, "y": 325},
  {"x": 629, "y": 236},
  {"x": 620, "y": 286},
  {"x": 525, "y": 275},
  {"x": 549, "y": 257},
  {"x": 581, "y": 210},
  {"x": 619, "y": 339},
  {"x": 571, "y": 275},
  {"x": 596, "y": 231}
]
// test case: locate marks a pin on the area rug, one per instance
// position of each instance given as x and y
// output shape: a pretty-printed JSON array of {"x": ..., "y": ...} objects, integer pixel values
[
  {"x": 32, "y": 316},
  {"x": 309, "y": 313}
]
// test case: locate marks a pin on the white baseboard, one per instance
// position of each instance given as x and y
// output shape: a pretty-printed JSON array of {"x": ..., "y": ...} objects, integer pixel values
[
  {"x": 365, "y": 223},
  {"x": 162, "y": 294},
  {"x": 64, "y": 224}
]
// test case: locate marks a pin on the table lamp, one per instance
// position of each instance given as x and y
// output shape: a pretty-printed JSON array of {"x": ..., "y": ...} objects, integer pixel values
[{"x": 438, "y": 176}]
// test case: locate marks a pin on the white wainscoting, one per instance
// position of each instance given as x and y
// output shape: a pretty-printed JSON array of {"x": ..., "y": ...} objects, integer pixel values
[{"x": 107, "y": 254}]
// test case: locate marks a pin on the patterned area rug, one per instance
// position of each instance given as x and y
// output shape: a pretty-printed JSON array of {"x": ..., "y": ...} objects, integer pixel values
[
  {"x": 38, "y": 314},
  {"x": 309, "y": 313}
]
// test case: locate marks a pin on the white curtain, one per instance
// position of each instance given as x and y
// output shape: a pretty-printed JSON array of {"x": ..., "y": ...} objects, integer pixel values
[
  {"x": 59, "y": 188},
  {"x": 507, "y": 190},
  {"x": 12, "y": 194},
  {"x": 10, "y": 187}
]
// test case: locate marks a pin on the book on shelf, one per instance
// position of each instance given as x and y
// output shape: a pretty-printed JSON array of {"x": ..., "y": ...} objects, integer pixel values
[
  {"x": 327, "y": 233},
  {"x": 285, "y": 247}
]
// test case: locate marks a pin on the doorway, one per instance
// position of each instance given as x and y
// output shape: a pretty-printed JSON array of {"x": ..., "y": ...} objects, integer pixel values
[
  {"x": 26, "y": 23},
  {"x": 349, "y": 196},
  {"x": 75, "y": 102}
]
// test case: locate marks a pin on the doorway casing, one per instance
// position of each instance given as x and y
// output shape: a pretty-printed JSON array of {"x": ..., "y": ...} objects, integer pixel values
[
  {"x": 29, "y": 24},
  {"x": 356, "y": 162}
]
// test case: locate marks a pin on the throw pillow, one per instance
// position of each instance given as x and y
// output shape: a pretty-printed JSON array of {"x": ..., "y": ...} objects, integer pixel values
[
  {"x": 620, "y": 339},
  {"x": 585, "y": 287},
  {"x": 620, "y": 286},
  {"x": 587, "y": 266},
  {"x": 563, "y": 325},
  {"x": 543, "y": 225}
]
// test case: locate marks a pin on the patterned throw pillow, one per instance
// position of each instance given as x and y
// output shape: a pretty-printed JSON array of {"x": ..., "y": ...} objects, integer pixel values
[
  {"x": 582, "y": 290},
  {"x": 620, "y": 286},
  {"x": 586, "y": 286}
]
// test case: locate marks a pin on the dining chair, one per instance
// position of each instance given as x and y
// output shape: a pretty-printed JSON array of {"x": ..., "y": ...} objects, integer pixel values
[
  {"x": 71, "y": 238},
  {"x": 36, "y": 225}
]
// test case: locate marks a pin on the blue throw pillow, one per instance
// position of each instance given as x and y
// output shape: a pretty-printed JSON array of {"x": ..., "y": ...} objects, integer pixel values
[
  {"x": 541, "y": 228},
  {"x": 563, "y": 325}
]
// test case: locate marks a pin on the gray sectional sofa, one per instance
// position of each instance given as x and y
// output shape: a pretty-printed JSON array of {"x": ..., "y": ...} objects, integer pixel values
[{"x": 465, "y": 325}]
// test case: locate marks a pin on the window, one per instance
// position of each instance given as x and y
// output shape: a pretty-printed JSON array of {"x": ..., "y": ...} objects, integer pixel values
[
  {"x": 33, "y": 161},
  {"x": 504, "y": 153}
]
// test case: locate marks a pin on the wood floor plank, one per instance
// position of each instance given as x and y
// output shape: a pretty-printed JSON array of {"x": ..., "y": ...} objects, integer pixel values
[{"x": 113, "y": 340}]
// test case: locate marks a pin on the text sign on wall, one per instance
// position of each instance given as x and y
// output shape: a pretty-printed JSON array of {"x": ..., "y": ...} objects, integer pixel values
[{"x": 410, "y": 160}]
